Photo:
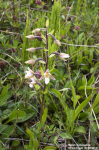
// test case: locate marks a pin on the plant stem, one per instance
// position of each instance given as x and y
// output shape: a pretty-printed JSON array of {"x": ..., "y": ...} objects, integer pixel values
[
  {"x": 46, "y": 67},
  {"x": 47, "y": 50}
]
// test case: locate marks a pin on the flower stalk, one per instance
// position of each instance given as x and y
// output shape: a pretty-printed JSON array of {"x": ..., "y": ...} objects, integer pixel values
[{"x": 42, "y": 104}]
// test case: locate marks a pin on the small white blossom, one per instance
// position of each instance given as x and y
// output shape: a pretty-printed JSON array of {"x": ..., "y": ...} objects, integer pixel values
[
  {"x": 29, "y": 73},
  {"x": 47, "y": 76},
  {"x": 33, "y": 81}
]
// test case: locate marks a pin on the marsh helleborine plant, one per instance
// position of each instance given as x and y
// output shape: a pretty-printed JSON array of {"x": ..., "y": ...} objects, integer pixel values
[{"x": 46, "y": 76}]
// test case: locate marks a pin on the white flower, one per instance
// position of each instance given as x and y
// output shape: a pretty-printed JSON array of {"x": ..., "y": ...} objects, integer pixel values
[
  {"x": 29, "y": 73},
  {"x": 63, "y": 55},
  {"x": 47, "y": 76},
  {"x": 33, "y": 81}
]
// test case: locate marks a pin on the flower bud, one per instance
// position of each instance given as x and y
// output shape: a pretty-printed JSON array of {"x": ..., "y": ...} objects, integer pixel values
[
  {"x": 31, "y": 49},
  {"x": 31, "y": 61},
  {"x": 57, "y": 42},
  {"x": 63, "y": 55},
  {"x": 36, "y": 30},
  {"x": 30, "y": 37}
]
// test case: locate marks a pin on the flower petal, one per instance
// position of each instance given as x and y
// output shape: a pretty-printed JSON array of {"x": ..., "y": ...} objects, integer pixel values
[
  {"x": 30, "y": 85},
  {"x": 47, "y": 80}
]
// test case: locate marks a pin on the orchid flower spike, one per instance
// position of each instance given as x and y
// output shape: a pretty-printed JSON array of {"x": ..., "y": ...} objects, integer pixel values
[{"x": 47, "y": 76}]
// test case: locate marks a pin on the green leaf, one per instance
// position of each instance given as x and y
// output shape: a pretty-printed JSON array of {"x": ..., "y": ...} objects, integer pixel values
[
  {"x": 43, "y": 62},
  {"x": 75, "y": 97},
  {"x": 0, "y": 145},
  {"x": 64, "y": 89},
  {"x": 51, "y": 32},
  {"x": 80, "y": 129},
  {"x": 29, "y": 113},
  {"x": 96, "y": 101},
  {"x": 49, "y": 148},
  {"x": 30, "y": 133},
  {"x": 57, "y": 93},
  {"x": 82, "y": 105},
  {"x": 81, "y": 36},
  {"x": 45, "y": 92},
  {"x": 45, "y": 50},
  {"x": 44, "y": 116},
  {"x": 51, "y": 55},
  {"x": 84, "y": 81},
  {"x": 14, "y": 114},
  {"x": 5, "y": 89},
  {"x": 65, "y": 135},
  {"x": 94, "y": 127},
  {"x": 79, "y": 55},
  {"x": 70, "y": 116},
  {"x": 87, "y": 88},
  {"x": 32, "y": 138},
  {"x": 47, "y": 23},
  {"x": 15, "y": 143},
  {"x": 3, "y": 127},
  {"x": 91, "y": 81},
  {"x": 26, "y": 147},
  {"x": 5, "y": 94},
  {"x": 57, "y": 73},
  {"x": 55, "y": 140},
  {"x": 32, "y": 93},
  {"x": 44, "y": 39},
  {"x": 91, "y": 55},
  {"x": 8, "y": 131},
  {"x": 37, "y": 87}
]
